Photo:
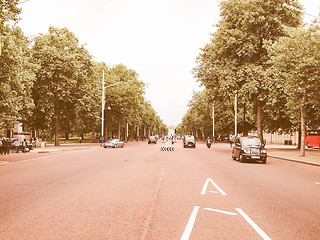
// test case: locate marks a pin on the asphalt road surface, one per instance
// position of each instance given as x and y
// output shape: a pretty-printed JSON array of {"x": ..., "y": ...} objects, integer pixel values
[{"x": 140, "y": 192}]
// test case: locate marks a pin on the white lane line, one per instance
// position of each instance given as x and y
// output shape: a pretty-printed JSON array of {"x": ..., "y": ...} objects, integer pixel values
[
  {"x": 318, "y": 183},
  {"x": 220, "y": 211},
  {"x": 205, "y": 186},
  {"x": 192, "y": 219},
  {"x": 255, "y": 226}
]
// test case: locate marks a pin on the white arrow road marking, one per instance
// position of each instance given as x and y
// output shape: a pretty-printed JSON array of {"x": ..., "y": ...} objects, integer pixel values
[
  {"x": 213, "y": 191},
  {"x": 255, "y": 226},
  {"x": 205, "y": 186},
  {"x": 192, "y": 219},
  {"x": 220, "y": 211}
]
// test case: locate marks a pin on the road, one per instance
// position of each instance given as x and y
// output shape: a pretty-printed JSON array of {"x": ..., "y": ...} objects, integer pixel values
[{"x": 140, "y": 192}]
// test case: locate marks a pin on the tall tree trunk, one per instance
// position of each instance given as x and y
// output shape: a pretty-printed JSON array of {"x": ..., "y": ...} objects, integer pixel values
[
  {"x": 303, "y": 124},
  {"x": 92, "y": 132},
  {"x": 56, "y": 137},
  {"x": 119, "y": 131},
  {"x": 259, "y": 122},
  {"x": 132, "y": 134}
]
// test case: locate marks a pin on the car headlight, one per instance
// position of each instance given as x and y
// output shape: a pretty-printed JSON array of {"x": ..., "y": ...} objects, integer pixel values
[
  {"x": 246, "y": 150},
  {"x": 263, "y": 151}
]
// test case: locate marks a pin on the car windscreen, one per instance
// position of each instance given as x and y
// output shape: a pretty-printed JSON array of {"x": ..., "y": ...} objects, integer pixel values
[
  {"x": 251, "y": 142},
  {"x": 189, "y": 138}
]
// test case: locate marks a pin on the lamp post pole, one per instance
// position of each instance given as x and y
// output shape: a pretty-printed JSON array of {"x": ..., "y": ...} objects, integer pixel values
[
  {"x": 102, "y": 112},
  {"x": 235, "y": 113},
  {"x": 102, "y": 108},
  {"x": 213, "y": 122},
  {"x": 299, "y": 10}
]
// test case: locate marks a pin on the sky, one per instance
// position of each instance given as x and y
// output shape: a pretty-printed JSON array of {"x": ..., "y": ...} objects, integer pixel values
[{"x": 159, "y": 39}]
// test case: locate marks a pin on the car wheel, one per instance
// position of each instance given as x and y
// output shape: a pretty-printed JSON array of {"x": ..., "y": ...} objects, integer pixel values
[
  {"x": 121, "y": 146},
  {"x": 264, "y": 161},
  {"x": 242, "y": 158}
]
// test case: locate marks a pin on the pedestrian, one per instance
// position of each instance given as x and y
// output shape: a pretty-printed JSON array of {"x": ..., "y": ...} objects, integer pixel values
[
  {"x": 80, "y": 139},
  {"x": 25, "y": 146},
  {"x": 1, "y": 146},
  {"x": 4, "y": 146},
  {"x": 9, "y": 145},
  {"x": 17, "y": 144}
]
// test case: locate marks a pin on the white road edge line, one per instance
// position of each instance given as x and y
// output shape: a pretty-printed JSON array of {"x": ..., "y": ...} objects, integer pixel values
[
  {"x": 255, "y": 226},
  {"x": 220, "y": 211},
  {"x": 204, "y": 189},
  {"x": 192, "y": 219}
]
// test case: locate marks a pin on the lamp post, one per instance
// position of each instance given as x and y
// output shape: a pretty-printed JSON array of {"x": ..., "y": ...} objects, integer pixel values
[
  {"x": 299, "y": 10},
  {"x": 102, "y": 107},
  {"x": 235, "y": 113},
  {"x": 213, "y": 123}
]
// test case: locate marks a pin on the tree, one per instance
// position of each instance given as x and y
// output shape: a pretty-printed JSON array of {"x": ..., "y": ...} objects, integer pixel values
[
  {"x": 235, "y": 59},
  {"x": 63, "y": 69},
  {"x": 296, "y": 59},
  {"x": 16, "y": 73}
]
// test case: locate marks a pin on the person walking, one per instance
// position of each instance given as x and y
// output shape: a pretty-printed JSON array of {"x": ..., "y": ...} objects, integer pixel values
[
  {"x": 5, "y": 146},
  {"x": 17, "y": 144}
]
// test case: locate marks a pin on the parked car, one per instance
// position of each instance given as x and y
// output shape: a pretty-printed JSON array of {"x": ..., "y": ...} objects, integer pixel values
[
  {"x": 114, "y": 143},
  {"x": 189, "y": 141},
  {"x": 152, "y": 139},
  {"x": 249, "y": 148}
]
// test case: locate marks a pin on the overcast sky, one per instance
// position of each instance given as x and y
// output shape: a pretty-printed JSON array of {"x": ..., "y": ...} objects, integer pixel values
[{"x": 159, "y": 39}]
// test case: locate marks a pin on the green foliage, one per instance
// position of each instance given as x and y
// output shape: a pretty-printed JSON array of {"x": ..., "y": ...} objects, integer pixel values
[
  {"x": 236, "y": 58},
  {"x": 296, "y": 61},
  {"x": 63, "y": 68}
]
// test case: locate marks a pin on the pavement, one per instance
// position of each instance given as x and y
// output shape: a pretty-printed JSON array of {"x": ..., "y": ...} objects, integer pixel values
[
  {"x": 284, "y": 152},
  {"x": 291, "y": 153}
]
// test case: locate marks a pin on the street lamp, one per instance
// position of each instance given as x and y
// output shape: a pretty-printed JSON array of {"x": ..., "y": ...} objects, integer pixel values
[
  {"x": 235, "y": 113},
  {"x": 213, "y": 123},
  {"x": 102, "y": 102},
  {"x": 299, "y": 10}
]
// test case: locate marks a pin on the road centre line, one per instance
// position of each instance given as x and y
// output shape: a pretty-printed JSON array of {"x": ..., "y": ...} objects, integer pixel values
[
  {"x": 255, "y": 226},
  {"x": 147, "y": 223},
  {"x": 220, "y": 211},
  {"x": 192, "y": 219},
  {"x": 205, "y": 186}
]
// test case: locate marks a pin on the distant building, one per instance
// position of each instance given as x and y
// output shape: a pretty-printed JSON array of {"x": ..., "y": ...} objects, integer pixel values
[{"x": 171, "y": 130}]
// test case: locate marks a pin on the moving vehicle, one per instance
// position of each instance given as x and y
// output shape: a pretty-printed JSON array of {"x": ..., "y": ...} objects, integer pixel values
[
  {"x": 113, "y": 143},
  {"x": 152, "y": 139},
  {"x": 312, "y": 138},
  {"x": 208, "y": 142},
  {"x": 189, "y": 141},
  {"x": 249, "y": 148}
]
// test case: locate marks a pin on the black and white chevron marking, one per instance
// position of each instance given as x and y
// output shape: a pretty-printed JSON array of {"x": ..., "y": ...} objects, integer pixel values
[{"x": 167, "y": 149}]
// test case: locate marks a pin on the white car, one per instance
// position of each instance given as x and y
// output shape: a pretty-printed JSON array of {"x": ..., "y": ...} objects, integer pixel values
[{"x": 113, "y": 143}]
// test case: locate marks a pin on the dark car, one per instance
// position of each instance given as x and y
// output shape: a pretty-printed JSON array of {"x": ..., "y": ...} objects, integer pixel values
[
  {"x": 152, "y": 139},
  {"x": 249, "y": 148},
  {"x": 189, "y": 141}
]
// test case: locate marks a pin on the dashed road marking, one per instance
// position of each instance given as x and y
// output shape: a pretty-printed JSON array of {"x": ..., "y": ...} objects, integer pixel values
[
  {"x": 220, "y": 211},
  {"x": 205, "y": 186},
  {"x": 192, "y": 219},
  {"x": 255, "y": 226}
]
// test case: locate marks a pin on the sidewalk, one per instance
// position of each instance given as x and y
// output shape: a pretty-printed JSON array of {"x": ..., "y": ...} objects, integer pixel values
[
  {"x": 65, "y": 147},
  {"x": 291, "y": 153}
]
